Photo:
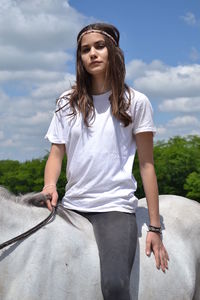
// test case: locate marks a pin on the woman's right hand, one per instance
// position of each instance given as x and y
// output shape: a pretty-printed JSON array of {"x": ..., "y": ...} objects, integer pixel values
[
  {"x": 52, "y": 173},
  {"x": 51, "y": 190}
]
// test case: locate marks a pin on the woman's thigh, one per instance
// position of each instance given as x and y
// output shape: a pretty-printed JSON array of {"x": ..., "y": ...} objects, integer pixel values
[{"x": 116, "y": 236}]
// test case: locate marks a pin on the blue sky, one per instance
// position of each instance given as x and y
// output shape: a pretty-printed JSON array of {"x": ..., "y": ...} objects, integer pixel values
[
  {"x": 160, "y": 40},
  {"x": 149, "y": 29}
]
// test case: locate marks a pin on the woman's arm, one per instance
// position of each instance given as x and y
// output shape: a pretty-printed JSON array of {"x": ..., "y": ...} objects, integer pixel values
[
  {"x": 52, "y": 173},
  {"x": 144, "y": 143}
]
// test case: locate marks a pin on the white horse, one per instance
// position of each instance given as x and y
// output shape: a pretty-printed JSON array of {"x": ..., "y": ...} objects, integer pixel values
[{"x": 60, "y": 261}]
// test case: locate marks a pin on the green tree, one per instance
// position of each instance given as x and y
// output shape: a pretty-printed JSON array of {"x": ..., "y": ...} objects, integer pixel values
[
  {"x": 192, "y": 186},
  {"x": 177, "y": 164},
  {"x": 28, "y": 176},
  {"x": 174, "y": 161}
]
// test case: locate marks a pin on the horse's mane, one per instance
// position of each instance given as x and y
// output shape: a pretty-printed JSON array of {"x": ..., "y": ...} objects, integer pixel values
[{"x": 35, "y": 199}]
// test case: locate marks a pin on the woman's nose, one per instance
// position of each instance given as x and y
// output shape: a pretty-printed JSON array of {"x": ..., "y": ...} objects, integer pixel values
[{"x": 92, "y": 52}]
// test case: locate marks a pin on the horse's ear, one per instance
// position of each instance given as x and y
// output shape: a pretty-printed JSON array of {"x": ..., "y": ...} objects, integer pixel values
[{"x": 39, "y": 199}]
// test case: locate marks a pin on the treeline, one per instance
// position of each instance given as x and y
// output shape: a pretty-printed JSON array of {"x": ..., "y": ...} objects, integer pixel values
[
  {"x": 25, "y": 177},
  {"x": 177, "y": 164}
]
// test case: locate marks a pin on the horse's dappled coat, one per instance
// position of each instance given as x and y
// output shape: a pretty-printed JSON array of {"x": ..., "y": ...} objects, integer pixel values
[{"x": 61, "y": 261}]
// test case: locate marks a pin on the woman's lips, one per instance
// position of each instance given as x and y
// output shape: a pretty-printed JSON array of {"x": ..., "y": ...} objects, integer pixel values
[{"x": 95, "y": 63}]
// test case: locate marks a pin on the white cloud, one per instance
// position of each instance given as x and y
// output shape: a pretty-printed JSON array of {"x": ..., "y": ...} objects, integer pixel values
[
  {"x": 194, "y": 54},
  {"x": 8, "y": 143},
  {"x": 161, "y": 130},
  {"x": 36, "y": 42},
  {"x": 37, "y": 35},
  {"x": 37, "y": 119},
  {"x": 1, "y": 135},
  {"x": 40, "y": 24},
  {"x": 137, "y": 68},
  {"x": 174, "y": 90},
  {"x": 55, "y": 88},
  {"x": 33, "y": 76},
  {"x": 168, "y": 132},
  {"x": 184, "y": 121},
  {"x": 190, "y": 18},
  {"x": 3, "y": 98},
  {"x": 182, "y": 126},
  {"x": 161, "y": 81},
  {"x": 18, "y": 59},
  {"x": 184, "y": 104}
]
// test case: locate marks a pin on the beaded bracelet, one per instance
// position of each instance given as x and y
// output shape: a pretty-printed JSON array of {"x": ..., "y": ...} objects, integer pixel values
[
  {"x": 48, "y": 185},
  {"x": 155, "y": 229}
]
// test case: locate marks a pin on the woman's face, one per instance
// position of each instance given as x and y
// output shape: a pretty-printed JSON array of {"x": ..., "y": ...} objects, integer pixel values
[{"x": 94, "y": 54}]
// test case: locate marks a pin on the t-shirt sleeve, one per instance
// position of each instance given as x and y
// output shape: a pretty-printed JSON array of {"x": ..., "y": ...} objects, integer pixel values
[
  {"x": 58, "y": 131},
  {"x": 143, "y": 116}
]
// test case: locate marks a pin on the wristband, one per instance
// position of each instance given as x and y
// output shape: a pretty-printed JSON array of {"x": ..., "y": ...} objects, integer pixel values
[
  {"x": 48, "y": 185},
  {"x": 155, "y": 229}
]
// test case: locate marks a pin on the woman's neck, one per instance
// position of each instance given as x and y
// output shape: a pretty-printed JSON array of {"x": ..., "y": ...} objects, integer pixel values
[{"x": 100, "y": 86}]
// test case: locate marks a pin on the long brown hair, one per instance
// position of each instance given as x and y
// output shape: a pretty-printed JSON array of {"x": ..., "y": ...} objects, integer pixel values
[{"x": 81, "y": 97}]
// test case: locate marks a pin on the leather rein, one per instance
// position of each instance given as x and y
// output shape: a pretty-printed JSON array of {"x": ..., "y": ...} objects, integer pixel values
[{"x": 30, "y": 231}]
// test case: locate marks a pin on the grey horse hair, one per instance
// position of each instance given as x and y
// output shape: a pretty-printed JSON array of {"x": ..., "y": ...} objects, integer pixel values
[{"x": 35, "y": 199}]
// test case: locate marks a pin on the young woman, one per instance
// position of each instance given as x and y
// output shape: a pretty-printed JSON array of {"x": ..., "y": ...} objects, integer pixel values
[{"x": 99, "y": 124}]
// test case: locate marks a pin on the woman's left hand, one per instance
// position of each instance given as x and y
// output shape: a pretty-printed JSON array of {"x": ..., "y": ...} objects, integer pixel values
[{"x": 154, "y": 243}]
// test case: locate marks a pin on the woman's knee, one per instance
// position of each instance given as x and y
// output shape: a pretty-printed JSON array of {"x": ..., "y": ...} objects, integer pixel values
[{"x": 116, "y": 289}]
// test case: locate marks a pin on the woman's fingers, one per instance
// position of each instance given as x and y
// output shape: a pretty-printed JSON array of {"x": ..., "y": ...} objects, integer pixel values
[
  {"x": 148, "y": 247},
  {"x": 154, "y": 243},
  {"x": 51, "y": 197},
  {"x": 163, "y": 259},
  {"x": 53, "y": 202},
  {"x": 49, "y": 206},
  {"x": 54, "y": 199},
  {"x": 157, "y": 258}
]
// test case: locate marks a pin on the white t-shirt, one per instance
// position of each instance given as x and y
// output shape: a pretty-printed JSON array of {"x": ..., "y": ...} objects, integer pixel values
[{"x": 100, "y": 158}]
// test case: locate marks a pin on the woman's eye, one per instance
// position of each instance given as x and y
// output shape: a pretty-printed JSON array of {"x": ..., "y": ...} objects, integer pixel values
[
  {"x": 85, "y": 50},
  {"x": 100, "y": 46}
]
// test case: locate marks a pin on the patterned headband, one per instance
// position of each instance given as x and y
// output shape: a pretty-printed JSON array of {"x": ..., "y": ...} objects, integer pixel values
[{"x": 97, "y": 31}]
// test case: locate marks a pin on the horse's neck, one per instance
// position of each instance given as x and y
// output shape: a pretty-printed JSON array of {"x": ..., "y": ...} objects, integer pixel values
[{"x": 14, "y": 215}]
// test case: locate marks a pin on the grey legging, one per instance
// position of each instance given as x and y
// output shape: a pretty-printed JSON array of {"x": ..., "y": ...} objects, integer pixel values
[{"x": 116, "y": 236}]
